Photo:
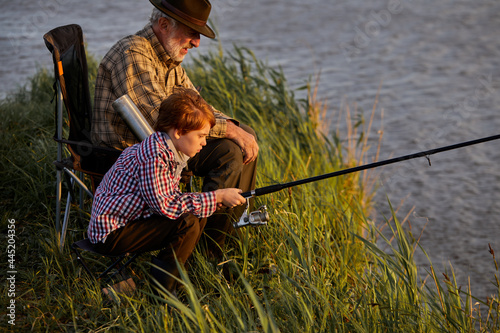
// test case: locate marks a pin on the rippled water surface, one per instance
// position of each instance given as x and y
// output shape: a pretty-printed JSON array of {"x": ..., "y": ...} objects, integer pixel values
[{"x": 437, "y": 65}]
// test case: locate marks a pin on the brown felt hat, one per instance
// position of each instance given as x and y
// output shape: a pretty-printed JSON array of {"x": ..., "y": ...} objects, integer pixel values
[{"x": 193, "y": 13}]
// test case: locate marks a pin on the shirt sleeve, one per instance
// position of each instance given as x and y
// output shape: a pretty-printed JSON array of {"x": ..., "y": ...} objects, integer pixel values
[{"x": 160, "y": 191}]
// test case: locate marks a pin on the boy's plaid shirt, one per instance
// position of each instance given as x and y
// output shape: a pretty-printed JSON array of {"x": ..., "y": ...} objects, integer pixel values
[{"x": 144, "y": 181}]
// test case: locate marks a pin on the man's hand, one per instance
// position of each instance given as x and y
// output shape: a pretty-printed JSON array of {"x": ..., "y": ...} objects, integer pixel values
[
  {"x": 229, "y": 197},
  {"x": 245, "y": 140}
]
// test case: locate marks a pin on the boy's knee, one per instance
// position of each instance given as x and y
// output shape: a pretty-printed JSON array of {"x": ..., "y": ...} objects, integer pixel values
[{"x": 192, "y": 225}]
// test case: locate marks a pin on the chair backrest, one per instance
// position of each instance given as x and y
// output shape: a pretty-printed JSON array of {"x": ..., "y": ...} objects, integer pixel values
[
  {"x": 66, "y": 44},
  {"x": 70, "y": 67}
]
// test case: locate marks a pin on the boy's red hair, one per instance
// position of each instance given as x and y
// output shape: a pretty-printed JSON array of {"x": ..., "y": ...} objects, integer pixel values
[{"x": 184, "y": 110}]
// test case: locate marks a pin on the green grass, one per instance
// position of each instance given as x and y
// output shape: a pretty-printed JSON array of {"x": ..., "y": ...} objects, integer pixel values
[{"x": 315, "y": 267}]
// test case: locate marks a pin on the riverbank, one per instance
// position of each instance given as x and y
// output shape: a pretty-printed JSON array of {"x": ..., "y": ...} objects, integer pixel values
[{"x": 314, "y": 268}]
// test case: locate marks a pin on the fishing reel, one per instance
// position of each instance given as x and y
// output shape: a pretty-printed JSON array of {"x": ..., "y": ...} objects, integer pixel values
[{"x": 255, "y": 218}]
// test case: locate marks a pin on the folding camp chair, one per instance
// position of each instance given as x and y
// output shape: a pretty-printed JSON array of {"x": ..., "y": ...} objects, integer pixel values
[{"x": 72, "y": 89}]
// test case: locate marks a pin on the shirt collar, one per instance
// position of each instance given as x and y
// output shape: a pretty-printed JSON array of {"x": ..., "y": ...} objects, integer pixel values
[
  {"x": 148, "y": 33},
  {"x": 179, "y": 157}
]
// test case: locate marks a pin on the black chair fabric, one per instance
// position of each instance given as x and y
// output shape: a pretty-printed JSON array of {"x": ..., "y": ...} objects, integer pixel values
[{"x": 66, "y": 44}]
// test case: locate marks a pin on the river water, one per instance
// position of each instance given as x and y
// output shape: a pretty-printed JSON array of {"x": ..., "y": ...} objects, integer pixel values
[{"x": 437, "y": 65}]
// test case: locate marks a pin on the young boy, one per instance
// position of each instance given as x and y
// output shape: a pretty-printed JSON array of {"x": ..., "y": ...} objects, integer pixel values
[{"x": 138, "y": 205}]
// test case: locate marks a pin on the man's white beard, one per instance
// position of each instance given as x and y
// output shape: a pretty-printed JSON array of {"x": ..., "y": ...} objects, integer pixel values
[{"x": 174, "y": 50}]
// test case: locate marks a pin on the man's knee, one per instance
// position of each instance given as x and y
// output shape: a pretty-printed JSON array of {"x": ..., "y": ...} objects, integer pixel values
[
  {"x": 229, "y": 152},
  {"x": 249, "y": 130}
]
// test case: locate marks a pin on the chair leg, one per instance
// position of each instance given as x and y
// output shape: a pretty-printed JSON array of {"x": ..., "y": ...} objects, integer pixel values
[
  {"x": 108, "y": 269},
  {"x": 64, "y": 228},
  {"x": 116, "y": 264},
  {"x": 58, "y": 202},
  {"x": 120, "y": 267},
  {"x": 71, "y": 179},
  {"x": 81, "y": 177},
  {"x": 71, "y": 175},
  {"x": 80, "y": 259},
  {"x": 70, "y": 198},
  {"x": 81, "y": 198}
]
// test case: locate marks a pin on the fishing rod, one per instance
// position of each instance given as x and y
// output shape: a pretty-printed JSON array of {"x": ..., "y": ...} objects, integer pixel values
[
  {"x": 126, "y": 108},
  {"x": 261, "y": 216}
]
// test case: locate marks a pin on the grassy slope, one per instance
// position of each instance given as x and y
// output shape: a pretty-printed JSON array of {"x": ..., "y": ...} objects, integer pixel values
[{"x": 307, "y": 271}]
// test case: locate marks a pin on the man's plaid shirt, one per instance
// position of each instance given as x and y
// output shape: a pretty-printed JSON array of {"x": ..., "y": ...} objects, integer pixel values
[
  {"x": 145, "y": 181},
  {"x": 139, "y": 66}
]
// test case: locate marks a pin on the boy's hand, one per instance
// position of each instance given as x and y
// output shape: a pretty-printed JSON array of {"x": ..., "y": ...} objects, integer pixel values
[{"x": 229, "y": 197}]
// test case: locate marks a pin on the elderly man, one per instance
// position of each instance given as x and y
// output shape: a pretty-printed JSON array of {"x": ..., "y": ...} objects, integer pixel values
[{"x": 147, "y": 67}]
